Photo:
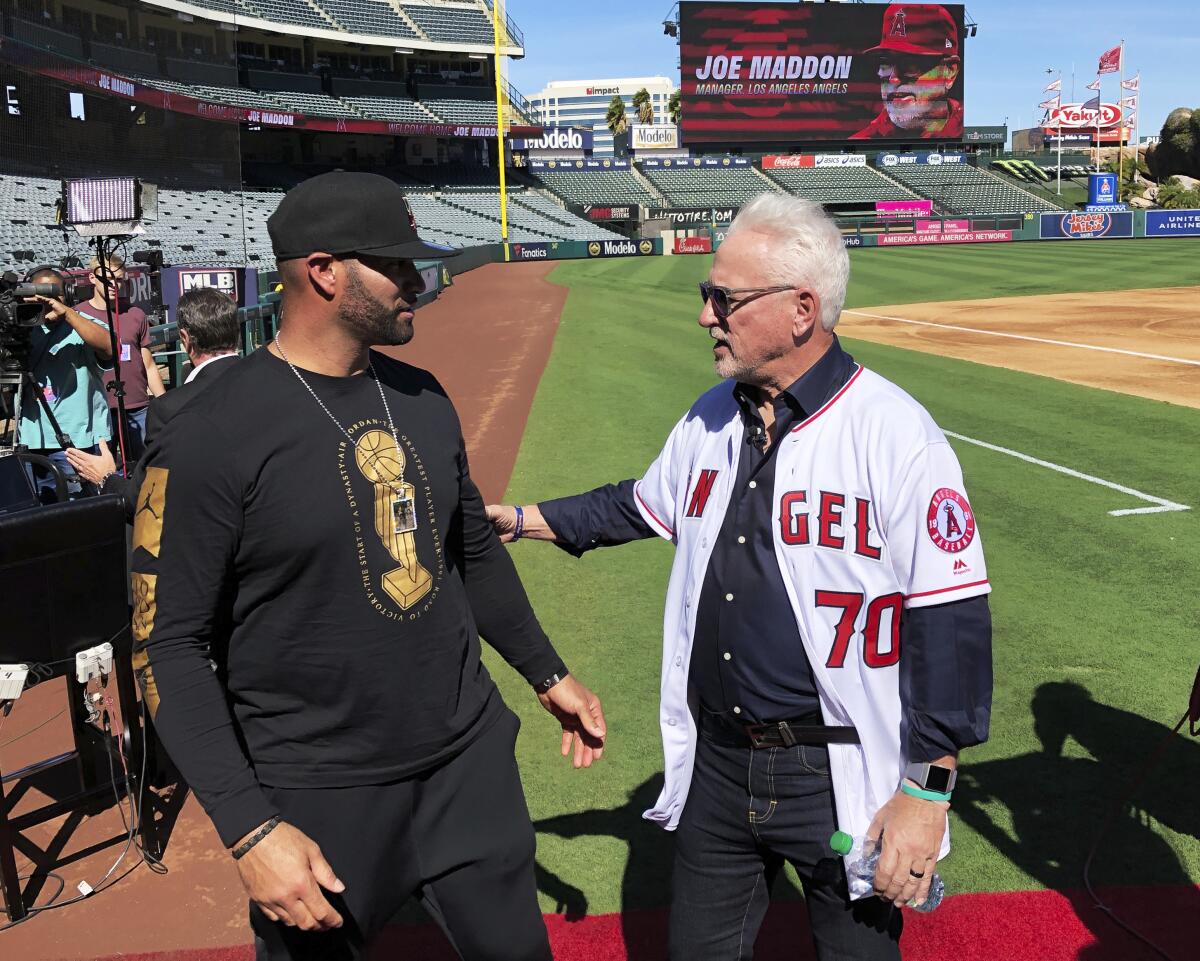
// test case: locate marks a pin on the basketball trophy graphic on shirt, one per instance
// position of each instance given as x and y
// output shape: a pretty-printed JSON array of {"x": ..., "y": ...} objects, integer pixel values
[{"x": 382, "y": 463}]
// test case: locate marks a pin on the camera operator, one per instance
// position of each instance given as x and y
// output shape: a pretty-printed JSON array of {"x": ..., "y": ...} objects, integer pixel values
[
  {"x": 139, "y": 371},
  {"x": 210, "y": 335},
  {"x": 67, "y": 354}
]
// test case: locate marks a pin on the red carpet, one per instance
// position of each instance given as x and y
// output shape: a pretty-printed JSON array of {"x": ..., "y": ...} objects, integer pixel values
[{"x": 1017, "y": 926}]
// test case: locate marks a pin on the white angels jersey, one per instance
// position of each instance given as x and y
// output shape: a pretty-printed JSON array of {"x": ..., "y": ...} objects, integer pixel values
[{"x": 871, "y": 517}]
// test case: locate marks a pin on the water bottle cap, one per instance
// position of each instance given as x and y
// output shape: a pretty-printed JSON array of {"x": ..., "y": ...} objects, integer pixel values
[{"x": 841, "y": 843}]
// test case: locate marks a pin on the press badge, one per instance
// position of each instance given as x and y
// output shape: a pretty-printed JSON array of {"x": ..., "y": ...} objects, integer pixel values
[{"x": 126, "y": 353}]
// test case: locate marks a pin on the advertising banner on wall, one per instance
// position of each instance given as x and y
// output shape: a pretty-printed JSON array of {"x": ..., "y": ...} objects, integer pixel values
[
  {"x": 702, "y": 162},
  {"x": 950, "y": 237},
  {"x": 1084, "y": 226},
  {"x": 620, "y": 248},
  {"x": 557, "y": 138},
  {"x": 1173, "y": 223},
  {"x": 603, "y": 163},
  {"x": 598, "y": 213},
  {"x": 920, "y": 159},
  {"x": 903, "y": 209},
  {"x": 692, "y": 216},
  {"x": 941, "y": 226},
  {"x": 645, "y": 136},
  {"x": 802, "y": 71},
  {"x": 693, "y": 245},
  {"x": 798, "y": 161},
  {"x": 531, "y": 251}
]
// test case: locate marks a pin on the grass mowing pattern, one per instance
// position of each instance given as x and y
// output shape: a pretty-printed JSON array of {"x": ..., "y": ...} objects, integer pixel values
[{"x": 1080, "y": 598}]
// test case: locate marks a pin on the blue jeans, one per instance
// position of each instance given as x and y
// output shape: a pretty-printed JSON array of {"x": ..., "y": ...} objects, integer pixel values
[
  {"x": 44, "y": 482},
  {"x": 135, "y": 432},
  {"x": 748, "y": 811}
]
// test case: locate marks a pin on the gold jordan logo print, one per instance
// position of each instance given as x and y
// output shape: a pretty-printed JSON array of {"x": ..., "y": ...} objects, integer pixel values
[
  {"x": 382, "y": 463},
  {"x": 151, "y": 503},
  {"x": 144, "y": 609}
]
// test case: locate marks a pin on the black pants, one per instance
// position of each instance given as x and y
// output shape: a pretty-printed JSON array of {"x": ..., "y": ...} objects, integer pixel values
[
  {"x": 459, "y": 837},
  {"x": 747, "y": 812}
]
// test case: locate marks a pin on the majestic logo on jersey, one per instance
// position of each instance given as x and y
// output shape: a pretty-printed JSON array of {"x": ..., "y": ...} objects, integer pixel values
[
  {"x": 701, "y": 492},
  {"x": 950, "y": 523}
]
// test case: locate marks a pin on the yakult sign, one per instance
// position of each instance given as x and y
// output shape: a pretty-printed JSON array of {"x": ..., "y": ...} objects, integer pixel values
[{"x": 1076, "y": 115}]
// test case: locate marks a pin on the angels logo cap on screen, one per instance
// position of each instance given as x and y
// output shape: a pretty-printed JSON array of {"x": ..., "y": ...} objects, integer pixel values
[
  {"x": 346, "y": 213},
  {"x": 919, "y": 29}
]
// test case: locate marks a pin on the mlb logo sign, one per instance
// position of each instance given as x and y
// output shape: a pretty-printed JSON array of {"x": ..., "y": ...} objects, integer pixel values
[{"x": 225, "y": 281}]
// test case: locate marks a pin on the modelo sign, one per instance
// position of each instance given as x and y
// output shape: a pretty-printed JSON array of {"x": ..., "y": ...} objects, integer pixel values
[
  {"x": 654, "y": 137},
  {"x": 620, "y": 248},
  {"x": 1076, "y": 115},
  {"x": 556, "y": 138}
]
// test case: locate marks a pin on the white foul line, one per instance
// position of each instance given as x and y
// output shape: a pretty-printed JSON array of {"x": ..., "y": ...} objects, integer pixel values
[
  {"x": 1036, "y": 340},
  {"x": 1163, "y": 506}
]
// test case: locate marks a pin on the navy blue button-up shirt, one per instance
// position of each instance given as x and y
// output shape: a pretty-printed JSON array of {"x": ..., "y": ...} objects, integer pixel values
[{"x": 748, "y": 659}]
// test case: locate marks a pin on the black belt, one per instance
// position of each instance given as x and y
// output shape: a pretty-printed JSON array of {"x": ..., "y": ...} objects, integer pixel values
[{"x": 722, "y": 729}]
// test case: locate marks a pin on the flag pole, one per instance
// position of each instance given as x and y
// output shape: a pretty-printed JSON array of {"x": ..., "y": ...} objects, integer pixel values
[
  {"x": 1121, "y": 124},
  {"x": 1060, "y": 133}
]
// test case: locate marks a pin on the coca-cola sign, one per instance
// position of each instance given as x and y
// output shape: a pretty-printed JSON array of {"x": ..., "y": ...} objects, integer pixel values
[{"x": 1076, "y": 115}]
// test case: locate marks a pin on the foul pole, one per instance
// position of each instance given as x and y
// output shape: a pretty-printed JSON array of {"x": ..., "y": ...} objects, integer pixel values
[{"x": 498, "y": 20}]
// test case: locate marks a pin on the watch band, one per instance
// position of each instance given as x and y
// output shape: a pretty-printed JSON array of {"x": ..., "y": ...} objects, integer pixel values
[
  {"x": 519, "y": 528},
  {"x": 923, "y": 794},
  {"x": 543, "y": 686}
]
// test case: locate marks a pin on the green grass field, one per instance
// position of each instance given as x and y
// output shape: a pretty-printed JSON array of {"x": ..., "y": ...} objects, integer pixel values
[{"x": 1104, "y": 604}]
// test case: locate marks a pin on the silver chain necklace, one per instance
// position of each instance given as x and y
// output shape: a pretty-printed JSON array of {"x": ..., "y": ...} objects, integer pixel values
[{"x": 404, "y": 515}]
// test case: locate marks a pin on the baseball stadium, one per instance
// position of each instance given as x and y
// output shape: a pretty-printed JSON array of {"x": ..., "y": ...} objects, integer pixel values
[{"x": 1034, "y": 290}]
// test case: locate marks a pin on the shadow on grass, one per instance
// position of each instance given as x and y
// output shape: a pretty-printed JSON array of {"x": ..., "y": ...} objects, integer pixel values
[{"x": 1058, "y": 801}]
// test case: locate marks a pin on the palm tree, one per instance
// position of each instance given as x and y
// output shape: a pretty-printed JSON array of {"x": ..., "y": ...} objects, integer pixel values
[
  {"x": 674, "y": 108},
  {"x": 615, "y": 118},
  {"x": 641, "y": 103}
]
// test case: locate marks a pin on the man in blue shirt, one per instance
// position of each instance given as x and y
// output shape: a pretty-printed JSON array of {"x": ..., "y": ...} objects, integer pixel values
[{"x": 66, "y": 355}]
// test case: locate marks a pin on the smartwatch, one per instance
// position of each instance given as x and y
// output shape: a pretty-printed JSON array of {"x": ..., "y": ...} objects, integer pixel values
[{"x": 931, "y": 777}]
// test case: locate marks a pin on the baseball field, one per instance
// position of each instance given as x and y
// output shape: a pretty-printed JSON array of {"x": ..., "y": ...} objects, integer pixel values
[{"x": 1067, "y": 377}]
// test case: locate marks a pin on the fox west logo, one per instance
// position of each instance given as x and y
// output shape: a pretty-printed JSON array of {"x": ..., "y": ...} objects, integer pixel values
[{"x": 701, "y": 493}]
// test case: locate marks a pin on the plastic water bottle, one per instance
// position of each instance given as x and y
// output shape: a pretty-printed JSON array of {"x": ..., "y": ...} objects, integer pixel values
[{"x": 860, "y": 874}]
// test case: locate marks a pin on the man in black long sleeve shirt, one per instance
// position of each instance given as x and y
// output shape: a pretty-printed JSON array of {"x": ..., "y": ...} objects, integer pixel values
[{"x": 312, "y": 526}]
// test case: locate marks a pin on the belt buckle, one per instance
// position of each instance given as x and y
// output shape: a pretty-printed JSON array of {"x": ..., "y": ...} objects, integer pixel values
[
  {"x": 757, "y": 734},
  {"x": 785, "y": 732}
]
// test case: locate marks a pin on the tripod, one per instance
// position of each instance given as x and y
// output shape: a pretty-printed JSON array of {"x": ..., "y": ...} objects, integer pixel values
[{"x": 19, "y": 381}]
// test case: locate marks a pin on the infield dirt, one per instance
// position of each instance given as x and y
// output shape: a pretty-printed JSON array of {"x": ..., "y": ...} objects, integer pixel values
[{"x": 1098, "y": 337}]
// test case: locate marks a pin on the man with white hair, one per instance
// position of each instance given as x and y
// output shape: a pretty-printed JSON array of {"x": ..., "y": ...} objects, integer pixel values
[{"x": 821, "y": 528}]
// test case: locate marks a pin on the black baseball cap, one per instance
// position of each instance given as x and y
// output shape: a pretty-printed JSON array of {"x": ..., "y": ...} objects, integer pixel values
[{"x": 346, "y": 213}]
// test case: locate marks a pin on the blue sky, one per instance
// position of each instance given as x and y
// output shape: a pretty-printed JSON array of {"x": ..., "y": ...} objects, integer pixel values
[{"x": 1005, "y": 62}]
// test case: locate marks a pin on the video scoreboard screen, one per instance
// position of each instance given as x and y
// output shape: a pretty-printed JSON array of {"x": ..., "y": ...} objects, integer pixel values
[{"x": 786, "y": 72}]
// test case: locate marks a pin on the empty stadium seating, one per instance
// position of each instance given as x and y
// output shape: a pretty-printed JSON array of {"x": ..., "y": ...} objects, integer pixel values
[
  {"x": 449, "y": 24},
  {"x": 711, "y": 187},
  {"x": 962, "y": 189},
  {"x": 596, "y": 187},
  {"x": 222, "y": 227},
  {"x": 373, "y": 17},
  {"x": 386, "y": 108},
  {"x": 455, "y": 22},
  {"x": 838, "y": 185},
  {"x": 463, "y": 111}
]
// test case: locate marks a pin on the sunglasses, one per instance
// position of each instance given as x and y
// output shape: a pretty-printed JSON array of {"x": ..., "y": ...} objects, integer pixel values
[{"x": 723, "y": 301}]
